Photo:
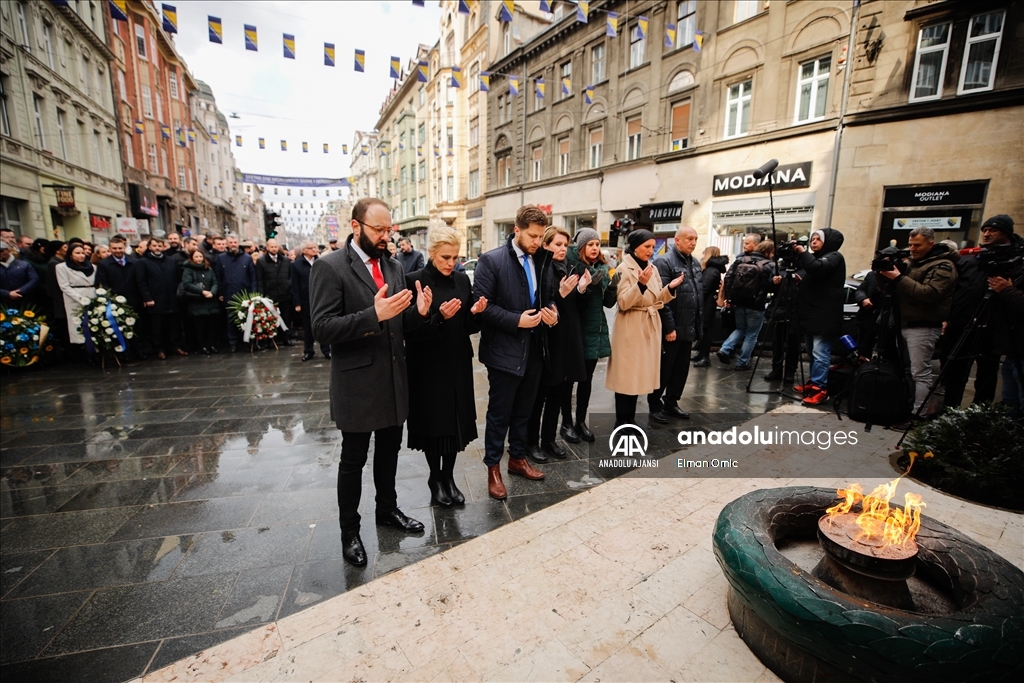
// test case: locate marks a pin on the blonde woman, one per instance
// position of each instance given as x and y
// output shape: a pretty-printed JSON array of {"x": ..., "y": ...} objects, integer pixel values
[
  {"x": 442, "y": 406},
  {"x": 634, "y": 368}
]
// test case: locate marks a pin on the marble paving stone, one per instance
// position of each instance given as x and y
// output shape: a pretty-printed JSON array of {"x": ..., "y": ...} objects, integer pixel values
[
  {"x": 10, "y": 457},
  {"x": 256, "y": 597},
  {"x": 473, "y": 519},
  {"x": 125, "y": 492},
  {"x": 112, "y": 449},
  {"x": 387, "y": 562},
  {"x": 111, "y": 664},
  {"x": 149, "y": 417},
  {"x": 662, "y": 644},
  {"x": 190, "y": 517},
  {"x": 627, "y": 664},
  {"x": 248, "y": 650},
  {"x": 135, "y": 468},
  {"x": 14, "y": 567},
  {"x": 132, "y": 614},
  {"x": 300, "y": 454},
  {"x": 314, "y": 582},
  {"x": 39, "y": 619},
  {"x": 83, "y": 567},
  {"x": 22, "y": 500},
  {"x": 296, "y": 506},
  {"x": 233, "y": 483},
  {"x": 242, "y": 549},
  {"x": 314, "y": 476},
  {"x": 173, "y": 649},
  {"x": 726, "y": 658},
  {"x": 64, "y": 529}
]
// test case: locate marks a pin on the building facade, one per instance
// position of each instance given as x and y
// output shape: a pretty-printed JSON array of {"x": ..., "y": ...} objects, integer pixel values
[
  {"x": 59, "y": 136},
  {"x": 220, "y": 197},
  {"x": 363, "y": 165}
]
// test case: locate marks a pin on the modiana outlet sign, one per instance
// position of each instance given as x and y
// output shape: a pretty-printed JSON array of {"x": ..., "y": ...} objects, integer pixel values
[{"x": 789, "y": 177}]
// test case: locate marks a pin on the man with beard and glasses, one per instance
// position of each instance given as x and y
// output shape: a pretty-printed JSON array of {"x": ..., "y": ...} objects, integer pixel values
[{"x": 361, "y": 306}]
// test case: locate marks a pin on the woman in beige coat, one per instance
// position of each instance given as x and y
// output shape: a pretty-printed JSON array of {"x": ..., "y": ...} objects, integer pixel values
[{"x": 635, "y": 364}]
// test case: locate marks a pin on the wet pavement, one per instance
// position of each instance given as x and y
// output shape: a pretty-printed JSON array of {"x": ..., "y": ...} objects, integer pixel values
[{"x": 152, "y": 511}]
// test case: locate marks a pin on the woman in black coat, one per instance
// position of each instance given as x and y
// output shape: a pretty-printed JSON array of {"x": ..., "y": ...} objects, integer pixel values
[
  {"x": 564, "y": 358},
  {"x": 714, "y": 268},
  {"x": 199, "y": 286},
  {"x": 439, "y": 358}
]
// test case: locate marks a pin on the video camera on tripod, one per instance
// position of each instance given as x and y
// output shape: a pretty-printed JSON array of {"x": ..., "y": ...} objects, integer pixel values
[
  {"x": 889, "y": 258},
  {"x": 786, "y": 253},
  {"x": 998, "y": 260}
]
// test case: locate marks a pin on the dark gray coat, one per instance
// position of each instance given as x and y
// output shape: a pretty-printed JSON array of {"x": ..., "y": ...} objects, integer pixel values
[
  {"x": 684, "y": 313},
  {"x": 369, "y": 384}
]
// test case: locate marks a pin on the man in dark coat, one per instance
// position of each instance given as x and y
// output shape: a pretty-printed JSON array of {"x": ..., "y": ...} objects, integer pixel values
[
  {"x": 353, "y": 312},
  {"x": 820, "y": 298},
  {"x": 116, "y": 274},
  {"x": 35, "y": 256},
  {"x": 274, "y": 277},
  {"x": 301, "y": 268},
  {"x": 681, "y": 324},
  {"x": 410, "y": 259},
  {"x": 18, "y": 279},
  {"x": 235, "y": 273},
  {"x": 157, "y": 277},
  {"x": 510, "y": 346}
]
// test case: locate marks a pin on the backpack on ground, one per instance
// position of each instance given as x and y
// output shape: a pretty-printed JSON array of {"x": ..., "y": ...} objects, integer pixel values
[
  {"x": 748, "y": 286},
  {"x": 880, "y": 393}
]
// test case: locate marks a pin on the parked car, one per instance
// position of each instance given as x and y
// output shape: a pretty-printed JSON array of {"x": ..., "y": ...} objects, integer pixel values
[{"x": 470, "y": 266}]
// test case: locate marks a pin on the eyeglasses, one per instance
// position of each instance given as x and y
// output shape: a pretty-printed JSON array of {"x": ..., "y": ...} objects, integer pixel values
[{"x": 381, "y": 230}]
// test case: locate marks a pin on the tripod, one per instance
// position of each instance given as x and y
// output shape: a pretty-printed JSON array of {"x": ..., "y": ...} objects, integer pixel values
[{"x": 787, "y": 298}]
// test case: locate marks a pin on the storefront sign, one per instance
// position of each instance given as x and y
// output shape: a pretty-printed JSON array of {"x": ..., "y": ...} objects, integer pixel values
[
  {"x": 65, "y": 196},
  {"x": 131, "y": 227},
  {"x": 788, "y": 177},
  {"x": 546, "y": 208},
  {"x": 332, "y": 227},
  {"x": 99, "y": 222},
  {"x": 936, "y": 195},
  {"x": 143, "y": 201},
  {"x": 935, "y": 223},
  {"x": 667, "y": 212},
  {"x": 475, "y": 213}
]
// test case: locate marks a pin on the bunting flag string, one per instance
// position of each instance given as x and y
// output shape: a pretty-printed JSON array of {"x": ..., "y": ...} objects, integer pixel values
[
  {"x": 289, "y": 46},
  {"x": 238, "y": 141},
  {"x": 513, "y": 85},
  {"x": 456, "y": 80},
  {"x": 582, "y": 11},
  {"x": 612, "y": 25},
  {"x": 140, "y": 127},
  {"x": 305, "y": 147},
  {"x": 464, "y": 7},
  {"x": 216, "y": 30},
  {"x": 566, "y": 86},
  {"x": 545, "y": 6},
  {"x": 191, "y": 135},
  {"x": 539, "y": 82},
  {"x": 325, "y": 148},
  {"x": 670, "y": 36},
  {"x": 396, "y": 66},
  {"x": 328, "y": 54},
  {"x": 119, "y": 10},
  {"x": 170, "y": 17},
  {"x": 263, "y": 143},
  {"x": 588, "y": 94},
  {"x": 641, "y": 26},
  {"x": 485, "y": 81},
  {"x": 421, "y": 71},
  {"x": 251, "y": 43},
  {"x": 360, "y": 62},
  {"x": 507, "y": 8},
  {"x": 284, "y": 145},
  {"x": 344, "y": 149},
  {"x": 698, "y": 40},
  {"x": 165, "y": 132}
]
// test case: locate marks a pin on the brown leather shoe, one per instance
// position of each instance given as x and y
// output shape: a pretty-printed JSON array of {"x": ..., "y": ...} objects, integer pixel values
[
  {"x": 495, "y": 486},
  {"x": 523, "y": 468},
  {"x": 161, "y": 355},
  {"x": 181, "y": 352}
]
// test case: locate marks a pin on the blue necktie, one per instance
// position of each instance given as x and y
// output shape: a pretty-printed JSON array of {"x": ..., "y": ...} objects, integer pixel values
[{"x": 529, "y": 278}]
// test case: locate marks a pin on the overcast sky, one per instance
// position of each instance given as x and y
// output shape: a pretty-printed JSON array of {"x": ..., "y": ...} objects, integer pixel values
[{"x": 301, "y": 100}]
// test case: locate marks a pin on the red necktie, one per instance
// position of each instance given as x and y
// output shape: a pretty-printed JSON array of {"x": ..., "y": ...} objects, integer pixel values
[{"x": 378, "y": 277}]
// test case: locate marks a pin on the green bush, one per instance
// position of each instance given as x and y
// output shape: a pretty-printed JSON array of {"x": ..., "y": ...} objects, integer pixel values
[{"x": 977, "y": 453}]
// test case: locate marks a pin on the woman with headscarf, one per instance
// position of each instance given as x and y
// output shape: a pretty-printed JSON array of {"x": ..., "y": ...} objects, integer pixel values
[
  {"x": 634, "y": 368},
  {"x": 76, "y": 278}
]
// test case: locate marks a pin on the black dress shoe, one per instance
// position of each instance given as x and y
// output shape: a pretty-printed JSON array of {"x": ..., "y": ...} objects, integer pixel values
[
  {"x": 352, "y": 548},
  {"x": 537, "y": 455},
  {"x": 554, "y": 450},
  {"x": 453, "y": 491},
  {"x": 676, "y": 411},
  {"x": 287, "y": 342},
  {"x": 214, "y": 349},
  {"x": 327, "y": 355},
  {"x": 233, "y": 348},
  {"x": 438, "y": 493},
  {"x": 307, "y": 356},
  {"x": 773, "y": 376},
  {"x": 660, "y": 417},
  {"x": 396, "y": 519},
  {"x": 584, "y": 432},
  {"x": 569, "y": 434}
]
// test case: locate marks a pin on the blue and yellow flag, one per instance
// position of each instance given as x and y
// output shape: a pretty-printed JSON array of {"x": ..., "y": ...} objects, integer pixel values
[
  {"x": 540, "y": 87},
  {"x": 170, "y": 18},
  {"x": 214, "y": 138},
  {"x": 485, "y": 81},
  {"x": 450, "y": 152},
  {"x": 191, "y": 135},
  {"x": 263, "y": 143},
  {"x": 216, "y": 30},
  {"x": 325, "y": 148},
  {"x": 670, "y": 36},
  {"x": 364, "y": 150},
  {"x": 250, "y": 38},
  {"x": 140, "y": 127},
  {"x": 165, "y": 132},
  {"x": 344, "y": 149},
  {"x": 360, "y": 64},
  {"x": 588, "y": 94},
  {"x": 641, "y": 25},
  {"x": 507, "y": 8},
  {"x": 698, "y": 40},
  {"x": 419, "y": 3},
  {"x": 612, "y": 25},
  {"x": 566, "y": 86},
  {"x": 182, "y": 138},
  {"x": 464, "y": 7},
  {"x": 289, "y": 46},
  {"x": 238, "y": 141},
  {"x": 545, "y": 6},
  {"x": 305, "y": 148},
  {"x": 419, "y": 150},
  {"x": 119, "y": 10},
  {"x": 513, "y": 85},
  {"x": 456, "y": 81},
  {"x": 396, "y": 67},
  {"x": 284, "y": 145},
  {"x": 328, "y": 54},
  {"x": 582, "y": 10},
  {"x": 422, "y": 69}
]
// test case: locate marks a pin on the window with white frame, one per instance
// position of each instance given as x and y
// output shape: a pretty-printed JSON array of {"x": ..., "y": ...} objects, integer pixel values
[
  {"x": 129, "y": 153},
  {"x": 637, "y": 45},
  {"x": 451, "y": 188},
  {"x": 140, "y": 39},
  {"x": 597, "y": 64},
  {"x": 96, "y": 151},
  {"x": 596, "y": 143},
  {"x": 37, "y": 108},
  {"x": 423, "y": 171},
  {"x": 48, "y": 45},
  {"x": 737, "y": 109},
  {"x": 26, "y": 42},
  {"x": 744, "y": 10},
  {"x": 121, "y": 88},
  {"x": 501, "y": 109},
  {"x": 423, "y": 205},
  {"x": 152, "y": 158},
  {"x": 61, "y": 121},
  {"x": 566, "y": 71},
  {"x": 538, "y": 158},
  {"x": 538, "y": 99},
  {"x": 172, "y": 80},
  {"x": 474, "y": 184},
  {"x": 686, "y": 22},
  {"x": 930, "y": 63},
  {"x": 634, "y": 135},
  {"x": 474, "y": 132},
  {"x": 10, "y": 215},
  {"x": 147, "y": 102},
  {"x": 422, "y": 133},
  {"x": 160, "y": 107},
  {"x": 680, "y": 138},
  {"x": 505, "y": 170},
  {"x": 474, "y": 78},
  {"x": 163, "y": 163},
  {"x": 181, "y": 176},
  {"x": 506, "y": 39},
  {"x": 563, "y": 156},
  {"x": 812, "y": 89},
  {"x": 423, "y": 95},
  {"x": 981, "y": 54},
  {"x": 112, "y": 160},
  {"x": 5, "y": 119}
]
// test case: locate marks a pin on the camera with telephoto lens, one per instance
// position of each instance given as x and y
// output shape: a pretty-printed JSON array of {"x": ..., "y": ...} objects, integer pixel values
[
  {"x": 1001, "y": 260},
  {"x": 889, "y": 258},
  {"x": 787, "y": 254}
]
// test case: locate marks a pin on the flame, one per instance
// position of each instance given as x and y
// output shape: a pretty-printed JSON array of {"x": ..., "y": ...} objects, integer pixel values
[{"x": 879, "y": 523}]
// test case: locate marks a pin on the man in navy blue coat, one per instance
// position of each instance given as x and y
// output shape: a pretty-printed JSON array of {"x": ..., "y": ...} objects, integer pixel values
[
  {"x": 301, "y": 268},
  {"x": 157, "y": 277},
  {"x": 235, "y": 272},
  {"x": 511, "y": 346},
  {"x": 17, "y": 277}
]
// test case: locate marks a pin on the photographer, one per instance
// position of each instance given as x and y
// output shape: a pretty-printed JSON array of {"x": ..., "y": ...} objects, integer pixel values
[
  {"x": 925, "y": 295},
  {"x": 868, "y": 296},
  {"x": 970, "y": 289},
  {"x": 820, "y": 299},
  {"x": 746, "y": 290}
]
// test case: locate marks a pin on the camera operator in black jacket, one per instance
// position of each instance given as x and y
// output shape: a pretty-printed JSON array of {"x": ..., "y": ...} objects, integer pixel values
[{"x": 820, "y": 299}]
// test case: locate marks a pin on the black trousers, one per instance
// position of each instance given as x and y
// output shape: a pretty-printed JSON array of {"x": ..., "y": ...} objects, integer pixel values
[
  {"x": 164, "y": 331},
  {"x": 958, "y": 372},
  {"x": 710, "y": 311},
  {"x": 583, "y": 390},
  {"x": 785, "y": 349},
  {"x": 675, "y": 368},
  {"x": 509, "y": 405},
  {"x": 307, "y": 334},
  {"x": 205, "y": 330},
  {"x": 355, "y": 447},
  {"x": 625, "y": 409},
  {"x": 548, "y": 404}
]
